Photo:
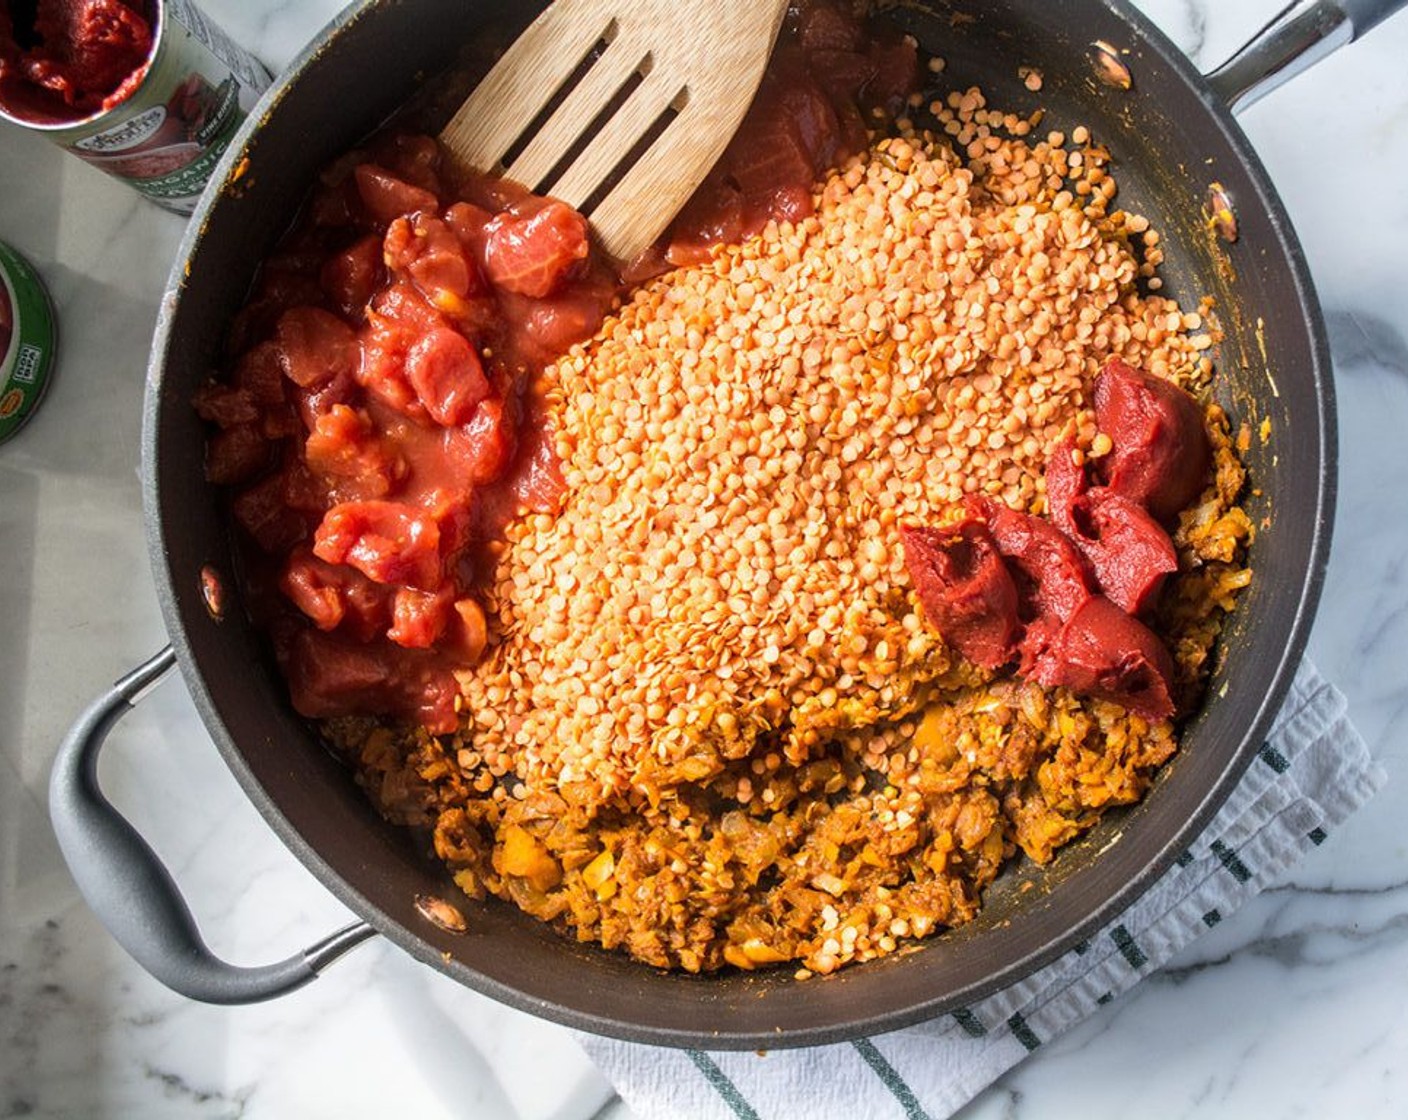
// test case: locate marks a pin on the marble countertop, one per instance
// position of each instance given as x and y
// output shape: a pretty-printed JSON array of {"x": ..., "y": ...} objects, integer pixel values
[{"x": 1298, "y": 1005}]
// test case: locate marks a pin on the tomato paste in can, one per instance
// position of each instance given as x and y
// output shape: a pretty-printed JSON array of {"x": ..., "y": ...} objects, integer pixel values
[
  {"x": 149, "y": 91},
  {"x": 27, "y": 338}
]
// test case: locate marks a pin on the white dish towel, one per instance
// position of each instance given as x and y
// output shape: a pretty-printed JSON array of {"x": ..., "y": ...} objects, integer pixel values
[{"x": 1313, "y": 772}]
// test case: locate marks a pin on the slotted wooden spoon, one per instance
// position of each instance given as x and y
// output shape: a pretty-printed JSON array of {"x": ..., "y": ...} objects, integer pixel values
[{"x": 617, "y": 71}]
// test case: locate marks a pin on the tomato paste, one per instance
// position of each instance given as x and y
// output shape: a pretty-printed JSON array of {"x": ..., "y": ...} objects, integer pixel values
[
  {"x": 1081, "y": 578},
  {"x": 72, "y": 58}
]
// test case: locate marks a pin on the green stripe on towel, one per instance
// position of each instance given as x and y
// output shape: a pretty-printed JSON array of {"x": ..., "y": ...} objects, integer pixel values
[
  {"x": 890, "y": 1076},
  {"x": 1230, "y": 860},
  {"x": 1129, "y": 949},
  {"x": 1023, "y": 1033},
  {"x": 722, "y": 1085},
  {"x": 1274, "y": 759}
]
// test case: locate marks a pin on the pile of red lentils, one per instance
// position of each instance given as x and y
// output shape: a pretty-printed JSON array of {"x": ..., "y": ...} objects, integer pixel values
[{"x": 713, "y": 727}]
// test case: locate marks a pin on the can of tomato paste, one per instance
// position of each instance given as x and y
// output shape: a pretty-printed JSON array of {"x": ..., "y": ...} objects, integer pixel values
[
  {"x": 149, "y": 91},
  {"x": 27, "y": 340}
]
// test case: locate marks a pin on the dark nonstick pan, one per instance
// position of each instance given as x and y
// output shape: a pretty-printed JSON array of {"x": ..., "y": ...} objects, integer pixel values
[{"x": 1172, "y": 133}]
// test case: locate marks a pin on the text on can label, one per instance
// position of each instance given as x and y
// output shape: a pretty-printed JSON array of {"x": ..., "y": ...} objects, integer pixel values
[{"x": 129, "y": 134}]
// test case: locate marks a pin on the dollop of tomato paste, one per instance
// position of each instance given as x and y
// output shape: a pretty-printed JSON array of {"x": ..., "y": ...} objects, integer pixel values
[
  {"x": 1161, "y": 455},
  {"x": 966, "y": 590},
  {"x": 1082, "y": 577},
  {"x": 72, "y": 58},
  {"x": 1101, "y": 651}
]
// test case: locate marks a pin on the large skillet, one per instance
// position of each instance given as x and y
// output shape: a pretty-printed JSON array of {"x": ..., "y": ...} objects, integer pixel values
[{"x": 1173, "y": 135}]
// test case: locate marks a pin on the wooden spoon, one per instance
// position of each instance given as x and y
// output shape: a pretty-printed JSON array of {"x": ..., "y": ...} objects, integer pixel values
[{"x": 616, "y": 71}]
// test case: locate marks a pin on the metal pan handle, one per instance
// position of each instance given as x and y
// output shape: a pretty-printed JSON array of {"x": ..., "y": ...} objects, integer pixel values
[
  {"x": 129, "y": 888},
  {"x": 1305, "y": 32}
]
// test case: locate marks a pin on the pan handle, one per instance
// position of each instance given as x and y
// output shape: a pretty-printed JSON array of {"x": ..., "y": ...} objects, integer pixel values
[
  {"x": 129, "y": 888},
  {"x": 1305, "y": 32}
]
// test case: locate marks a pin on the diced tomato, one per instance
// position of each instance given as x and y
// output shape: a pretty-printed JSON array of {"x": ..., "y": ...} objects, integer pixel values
[
  {"x": 235, "y": 455},
  {"x": 276, "y": 292},
  {"x": 388, "y": 542},
  {"x": 713, "y": 216},
  {"x": 330, "y": 676},
  {"x": 768, "y": 165},
  {"x": 533, "y": 250},
  {"x": 484, "y": 447},
  {"x": 495, "y": 194},
  {"x": 534, "y": 482},
  {"x": 824, "y": 27},
  {"x": 854, "y": 132},
  {"x": 537, "y": 479},
  {"x": 383, "y": 370},
  {"x": 314, "y": 403},
  {"x": 350, "y": 278},
  {"x": 448, "y": 377},
  {"x": 543, "y": 329},
  {"x": 431, "y": 254},
  {"x": 387, "y": 198},
  {"x": 451, "y": 510},
  {"x": 471, "y": 226},
  {"x": 261, "y": 373},
  {"x": 842, "y": 73},
  {"x": 225, "y": 406},
  {"x": 896, "y": 75},
  {"x": 315, "y": 347},
  {"x": 420, "y": 617},
  {"x": 327, "y": 677},
  {"x": 303, "y": 490},
  {"x": 307, "y": 584},
  {"x": 402, "y": 304},
  {"x": 334, "y": 596},
  {"x": 813, "y": 121},
  {"x": 264, "y": 513},
  {"x": 345, "y": 448},
  {"x": 411, "y": 157}
]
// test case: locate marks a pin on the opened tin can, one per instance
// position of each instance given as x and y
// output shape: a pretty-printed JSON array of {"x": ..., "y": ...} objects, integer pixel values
[
  {"x": 27, "y": 341},
  {"x": 163, "y": 125}
]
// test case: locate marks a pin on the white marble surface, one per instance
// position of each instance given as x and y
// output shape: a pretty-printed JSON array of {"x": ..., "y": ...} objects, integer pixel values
[{"x": 1296, "y": 1006}]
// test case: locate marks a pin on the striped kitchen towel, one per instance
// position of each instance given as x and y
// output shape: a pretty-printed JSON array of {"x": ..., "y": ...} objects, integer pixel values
[{"x": 1311, "y": 775}]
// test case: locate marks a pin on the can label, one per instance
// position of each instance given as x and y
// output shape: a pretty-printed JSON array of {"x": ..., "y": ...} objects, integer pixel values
[
  {"x": 167, "y": 136},
  {"x": 27, "y": 340}
]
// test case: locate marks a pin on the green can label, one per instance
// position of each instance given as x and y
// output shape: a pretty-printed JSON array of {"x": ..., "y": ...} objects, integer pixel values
[
  {"x": 27, "y": 341},
  {"x": 167, "y": 136}
]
